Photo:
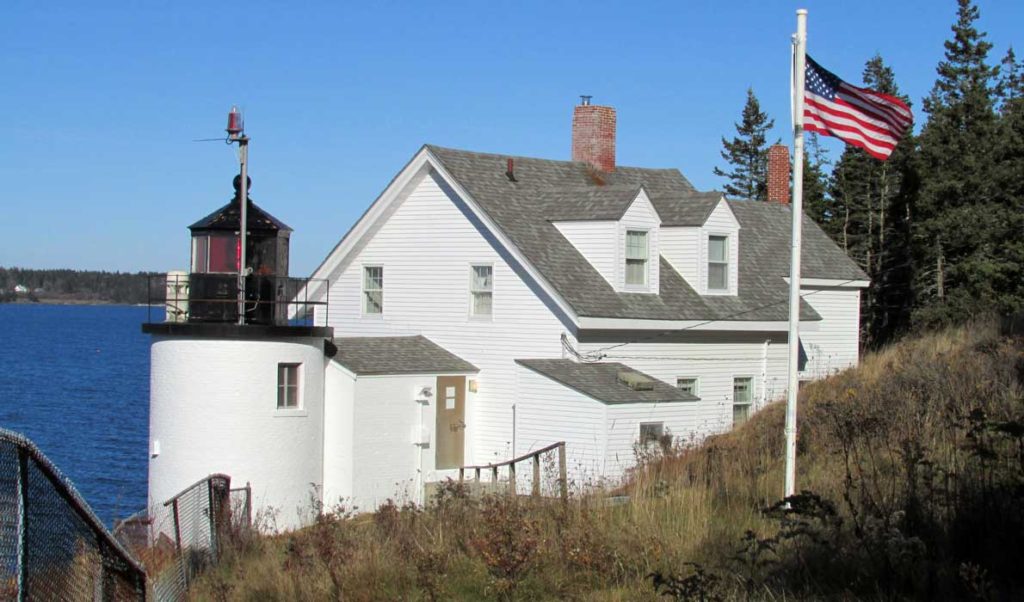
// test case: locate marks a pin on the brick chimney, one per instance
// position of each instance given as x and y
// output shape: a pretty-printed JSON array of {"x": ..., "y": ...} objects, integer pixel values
[
  {"x": 778, "y": 174},
  {"x": 593, "y": 135}
]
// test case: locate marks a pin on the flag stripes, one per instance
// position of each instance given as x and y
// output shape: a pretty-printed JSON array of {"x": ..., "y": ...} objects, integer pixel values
[{"x": 865, "y": 118}]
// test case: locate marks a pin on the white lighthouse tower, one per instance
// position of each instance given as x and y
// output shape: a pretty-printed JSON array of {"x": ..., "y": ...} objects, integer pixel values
[{"x": 237, "y": 367}]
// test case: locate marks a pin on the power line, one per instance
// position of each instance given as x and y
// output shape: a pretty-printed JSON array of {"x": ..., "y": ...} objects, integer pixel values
[{"x": 599, "y": 353}]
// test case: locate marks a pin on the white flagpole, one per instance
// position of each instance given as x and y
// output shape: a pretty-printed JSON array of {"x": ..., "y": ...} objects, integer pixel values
[{"x": 797, "y": 78}]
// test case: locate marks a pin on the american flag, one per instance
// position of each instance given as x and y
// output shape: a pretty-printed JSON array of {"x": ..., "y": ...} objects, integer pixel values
[{"x": 859, "y": 116}]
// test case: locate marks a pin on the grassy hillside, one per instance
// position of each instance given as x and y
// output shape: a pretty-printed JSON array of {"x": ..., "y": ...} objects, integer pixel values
[{"x": 913, "y": 466}]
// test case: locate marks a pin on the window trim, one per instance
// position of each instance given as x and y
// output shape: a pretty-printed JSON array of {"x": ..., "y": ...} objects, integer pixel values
[
  {"x": 696, "y": 383},
  {"x": 284, "y": 387},
  {"x": 727, "y": 263},
  {"x": 749, "y": 404},
  {"x": 363, "y": 299},
  {"x": 473, "y": 292},
  {"x": 646, "y": 284}
]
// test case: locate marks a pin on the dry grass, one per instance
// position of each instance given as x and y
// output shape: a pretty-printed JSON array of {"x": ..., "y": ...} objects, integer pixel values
[{"x": 915, "y": 460}]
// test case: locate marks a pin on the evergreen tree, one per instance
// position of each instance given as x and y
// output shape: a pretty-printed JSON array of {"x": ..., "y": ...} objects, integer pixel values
[
  {"x": 1011, "y": 84},
  {"x": 870, "y": 211},
  {"x": 1008, "y": 183},
  {"x": 816, "y": 201},
  {"x": 747, "y": 153},
  {"x": 959, "y": 226}
]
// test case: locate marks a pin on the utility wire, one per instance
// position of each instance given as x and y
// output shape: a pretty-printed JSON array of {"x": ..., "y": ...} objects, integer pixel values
[{"x": 599, "y": 354}]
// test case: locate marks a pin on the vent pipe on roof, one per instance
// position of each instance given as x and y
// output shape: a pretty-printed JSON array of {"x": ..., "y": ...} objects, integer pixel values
[
  {"x": 593, "y": 135},
  {"x": 510, "y": 171}
]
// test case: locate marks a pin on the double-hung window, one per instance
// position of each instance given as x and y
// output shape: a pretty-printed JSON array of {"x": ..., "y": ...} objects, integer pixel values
[
  {"x": 636, "y": 258},
  {"x": 718, "y": 263},
  {"x": 373, "y": 290},
  {"x": 287, "y": 386},
  {"x": 742, "y": 399},
  {"x": 481, "y": 290}
]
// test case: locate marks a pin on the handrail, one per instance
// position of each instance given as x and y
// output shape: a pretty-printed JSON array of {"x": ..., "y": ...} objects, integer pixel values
[
  {"x": 64, "y": 488},
  {"x": 519, "y": 459},
  {"x": 216, "y": 475},
  {"x": 563, "y": 484}
]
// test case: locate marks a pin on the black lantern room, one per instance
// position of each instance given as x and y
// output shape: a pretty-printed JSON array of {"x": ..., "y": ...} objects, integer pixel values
[{"x": 213, "y": 284}]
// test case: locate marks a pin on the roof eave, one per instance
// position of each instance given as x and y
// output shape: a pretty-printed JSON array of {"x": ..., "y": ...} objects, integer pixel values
[{"x": 633, "y": 324}]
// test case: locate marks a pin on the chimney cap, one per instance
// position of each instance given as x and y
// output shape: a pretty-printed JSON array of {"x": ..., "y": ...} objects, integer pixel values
[{"x": 585, "y": 99}]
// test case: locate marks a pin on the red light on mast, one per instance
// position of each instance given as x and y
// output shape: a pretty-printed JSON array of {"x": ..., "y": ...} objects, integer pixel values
[{"x": 235, "y": 126}]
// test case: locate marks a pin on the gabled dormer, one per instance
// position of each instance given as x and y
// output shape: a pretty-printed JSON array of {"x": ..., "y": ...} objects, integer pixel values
[
  {"x": 702, "y": 244},
  {"x": 621, "y": 245},
  {"x": 720, "y": 246}
]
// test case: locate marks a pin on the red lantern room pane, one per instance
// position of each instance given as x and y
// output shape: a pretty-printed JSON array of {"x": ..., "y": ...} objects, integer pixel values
[{"x": 223, "y": 253}]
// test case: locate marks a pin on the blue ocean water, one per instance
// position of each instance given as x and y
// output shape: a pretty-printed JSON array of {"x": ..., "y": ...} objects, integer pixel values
[{"x": 75, "y": 380}]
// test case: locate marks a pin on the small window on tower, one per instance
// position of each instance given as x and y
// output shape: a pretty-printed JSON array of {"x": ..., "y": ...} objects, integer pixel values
[{"x": 288, "y": 386}]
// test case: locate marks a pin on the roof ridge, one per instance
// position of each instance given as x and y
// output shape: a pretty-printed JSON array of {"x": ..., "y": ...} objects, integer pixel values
[{"x": 433, "y": 147}]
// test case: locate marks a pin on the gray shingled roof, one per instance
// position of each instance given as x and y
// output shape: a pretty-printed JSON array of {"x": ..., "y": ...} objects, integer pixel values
[
  {"x": 600, "y": 381},
  {"x": 525, "y": 208},
  {"x": 686, "y": 209},
  {"x": 588, "y": 202},
  {"x": 398, "y": 355}
]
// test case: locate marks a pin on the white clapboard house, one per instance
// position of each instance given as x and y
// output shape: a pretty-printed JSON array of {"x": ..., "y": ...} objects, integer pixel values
[{"x": 485, "y": 306}]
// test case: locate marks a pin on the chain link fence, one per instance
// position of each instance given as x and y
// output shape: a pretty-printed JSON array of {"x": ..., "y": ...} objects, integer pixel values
[
  {"x": 52, "y": 546},
  {"x": 207, "y": 517}
]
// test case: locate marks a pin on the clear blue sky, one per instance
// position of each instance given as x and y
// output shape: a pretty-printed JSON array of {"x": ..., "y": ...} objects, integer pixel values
[{"x": 100, "y": 101}]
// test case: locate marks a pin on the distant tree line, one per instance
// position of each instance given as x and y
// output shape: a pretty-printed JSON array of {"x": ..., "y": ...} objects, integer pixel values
[
  {"x": 939, "y": 227},
  {"x": 76, "y": 285}
]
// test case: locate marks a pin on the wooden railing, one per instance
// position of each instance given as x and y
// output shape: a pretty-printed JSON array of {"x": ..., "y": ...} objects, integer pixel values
[{"x": 563, "y": 486}]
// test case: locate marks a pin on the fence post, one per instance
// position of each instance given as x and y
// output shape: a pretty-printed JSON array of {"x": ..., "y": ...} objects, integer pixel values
[
  {"x": 563, "y": 481},
  {"x": 22, "y": 524},
  {"x": 536, "y": 475},
  {"x": 213, "y": 520},
  {"x": 512, "y": 478},
  {"x": 462, "y": 474},
  {"x": 476, "y": 477},
  {"x": 248, "y": 504},
  {"x": 494, "y": 474}
]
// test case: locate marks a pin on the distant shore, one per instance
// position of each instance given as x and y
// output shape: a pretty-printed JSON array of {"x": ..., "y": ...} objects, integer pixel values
[{"x": 66, "y": 301}]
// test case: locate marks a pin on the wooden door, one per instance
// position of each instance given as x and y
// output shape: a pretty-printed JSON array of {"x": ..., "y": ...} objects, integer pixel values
[{"x": 451, "y": 422}]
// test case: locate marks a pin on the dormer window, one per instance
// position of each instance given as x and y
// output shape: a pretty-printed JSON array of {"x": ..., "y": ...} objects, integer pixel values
[
  {"x": 636, "y": 258},
  {"x": 718, "y": 263}
]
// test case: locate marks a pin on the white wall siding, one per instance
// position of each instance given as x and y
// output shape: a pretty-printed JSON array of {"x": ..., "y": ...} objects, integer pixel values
[
  {"x": 681, "y": 247},
  {"x": 641, "y": 215},
  {"x": 720, "y": 222},
  {"x": 426, "y": 248},
  {"x": 595, "y": 240},
  {"x": 548, "y": 412},
  {"x": 623, "y": 428},
  {"x": 339, "y": 397},
  {"x": 835, "y": 345},
  {"x": 388, "y": 462},
  {"x": 715, "y": 359}
]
